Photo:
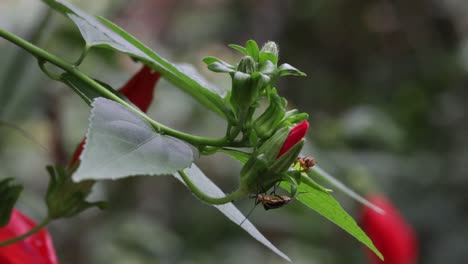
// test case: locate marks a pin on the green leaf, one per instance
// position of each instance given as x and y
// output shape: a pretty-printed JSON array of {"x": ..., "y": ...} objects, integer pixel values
[
  {"x": 9, "y": 194},
  {"x": 120, "y": 143},
  {"x": 229, "y": 210},
  {"x": 324, "y": 204},
  {"x": 253, "y": 50},
  {"x": 238, "y": 48},
  {"x": 320, "y": 173},
  {"x": 99, "y": 32}
]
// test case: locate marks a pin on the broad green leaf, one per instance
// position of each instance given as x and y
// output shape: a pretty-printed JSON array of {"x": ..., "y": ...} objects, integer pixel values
[
  {"x": 320, "y": 173},
  {"x": 9, "y": 194},
  {"x": 324, "y": 204},
  {"x": 229, "y": 210},
  {"x": 120, "y": 143},
  {"x": 99, "y": 32}
]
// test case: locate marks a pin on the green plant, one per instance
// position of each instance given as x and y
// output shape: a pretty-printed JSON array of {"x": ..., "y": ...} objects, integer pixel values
[{"x": 124, "y": 141}]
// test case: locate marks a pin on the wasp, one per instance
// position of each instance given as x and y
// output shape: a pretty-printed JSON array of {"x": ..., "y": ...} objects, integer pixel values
[{"x": 306, "y": 163}]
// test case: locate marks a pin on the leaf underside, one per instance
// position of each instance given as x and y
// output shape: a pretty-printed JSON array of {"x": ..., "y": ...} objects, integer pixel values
[
  {"x": 120, "y": 143},
  {"x": 229, "y": 210},
  {"x": 99, "y": 32}
]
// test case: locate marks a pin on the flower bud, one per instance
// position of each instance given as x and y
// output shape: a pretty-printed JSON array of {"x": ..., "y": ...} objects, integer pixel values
[
  {"x": 246, "y": 65},
  {"x": 390, "y": 233},
  {"x": 270, "y": 47},
  {"x": 267, "y": 166},
  {"x": 245, "y": 91},
  {"x": 296, "y": 134},
  {"x": 267, "y": 123}
]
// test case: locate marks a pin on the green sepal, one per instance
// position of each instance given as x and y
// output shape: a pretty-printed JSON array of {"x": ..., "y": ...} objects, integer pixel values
[
  {"x": 245, "y": 91},
  {"x": 238, "y": 48},
  {"x": 294, "y": 183},
  {"x": 247, "y": 65},
  {"x": 267, "y": 123},
  {"x": 272, "y": 146},
  {"x": 256, "y": 175},
  {"x": 293, "y": 117},
  {"x": 283, "y": 162},
  {"x": 253, "y": 50},
  {"x": 9, "y": 194},
  {"x": 268, "y": 68},
  {"x": 286, "y": 69},
  {"x": 216, "y": 65},
  {"x": 66, "y": 198}
]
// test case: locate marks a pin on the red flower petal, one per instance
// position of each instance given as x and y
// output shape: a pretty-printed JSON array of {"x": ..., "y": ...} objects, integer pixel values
[
  {"x": 37, "y": 249},
  {"x": 139, "y": 90},
  {"x": 391, "y": 234},
  {"x": 296, "y": 134}
]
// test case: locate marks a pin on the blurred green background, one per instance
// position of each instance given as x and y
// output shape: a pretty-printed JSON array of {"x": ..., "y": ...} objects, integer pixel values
[{"x": 386, "y": 92}]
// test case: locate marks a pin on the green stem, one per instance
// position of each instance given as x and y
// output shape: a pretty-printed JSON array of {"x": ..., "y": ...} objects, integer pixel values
[
  {"x": 25, "y": 235},
  {"x": 209, "y": 199},
  {"x": 41, "y": 54}
]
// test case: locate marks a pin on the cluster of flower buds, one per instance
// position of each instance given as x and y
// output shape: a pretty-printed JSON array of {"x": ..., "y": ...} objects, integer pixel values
[
  {"x": 254, "y": 79},
  {"x": 270, "y": 163},
  {"x": 271, "y": 132}
]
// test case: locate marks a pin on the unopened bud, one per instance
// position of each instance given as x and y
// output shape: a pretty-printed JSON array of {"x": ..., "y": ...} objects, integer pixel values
[
  {"x": 267, "y": 123},
  {"x": 270, "y": 47},
  {"x": 246, "y": 65}
]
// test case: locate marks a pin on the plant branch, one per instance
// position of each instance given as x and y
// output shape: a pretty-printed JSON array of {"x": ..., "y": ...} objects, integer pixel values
[
  {"x": 209, "y": 199},
  {"x": 43, "y": 55},
  {"x": 27, "y": 234}
]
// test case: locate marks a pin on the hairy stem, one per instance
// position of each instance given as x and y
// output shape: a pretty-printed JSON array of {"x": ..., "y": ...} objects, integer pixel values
[{"x": 209, "y": 199}]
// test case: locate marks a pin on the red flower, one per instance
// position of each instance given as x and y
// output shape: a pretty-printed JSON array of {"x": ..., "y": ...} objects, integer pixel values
[
  {"x": 37, "y": 249},
  {"x": 296, "y": 134},
  {"x": 391, "y": 234},
  {"x": 139, "y": 90}
]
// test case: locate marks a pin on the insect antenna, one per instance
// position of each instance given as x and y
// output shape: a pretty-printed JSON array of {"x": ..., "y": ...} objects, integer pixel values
[{"x": 251, "y": 211}]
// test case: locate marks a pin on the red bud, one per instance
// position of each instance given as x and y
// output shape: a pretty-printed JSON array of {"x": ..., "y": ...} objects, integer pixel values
[
  {"x": 296, "y": 134},
  {"x": 390, "y": 232},
  {"x": 139, "y": 90},
  {"x": 37, "y": 248}
]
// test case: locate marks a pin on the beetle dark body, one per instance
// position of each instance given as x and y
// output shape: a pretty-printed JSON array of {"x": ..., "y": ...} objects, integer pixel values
[{"x": 273, "y": 201}]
